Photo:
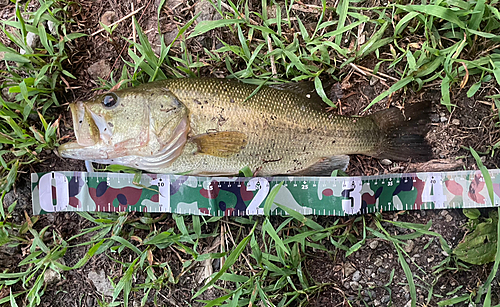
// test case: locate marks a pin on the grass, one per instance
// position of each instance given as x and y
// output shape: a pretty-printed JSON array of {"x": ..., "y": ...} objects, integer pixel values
[{"x": 446, "y": 44}]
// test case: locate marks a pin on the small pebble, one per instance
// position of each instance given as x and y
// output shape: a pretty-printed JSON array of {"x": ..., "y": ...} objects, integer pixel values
[
  {"x": 444, "y": 253},
  {"x": 378, "y": 262},
  {"x": 408, "y": 304},
  {"x": 373, "y": 244},
  {"x": 381, "y": 271},
  {"x": 354, "y": 285},
  {"x": 356, "y": 276},
  {"x": 443, "y": 119},
  {"x": 455, "y": 122},
  {"x": 108, "y": 18},
  {"x": 385, "y": 299},
  {"x": 430, "y": 259},
  {"x": 386, "y": 162},
  {"x": 434, "y": 117},
  {"x": 50, "y": 276},
  {"x": 348, "y": 269},
  {"x": 376, "y": 303},
  {"x": 408, "y": 248}
]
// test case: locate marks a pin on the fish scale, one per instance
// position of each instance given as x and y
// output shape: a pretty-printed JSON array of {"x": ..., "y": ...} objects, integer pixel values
[
  {"x": 217, "y": 196},
  {"x": 285, "y": 133}
]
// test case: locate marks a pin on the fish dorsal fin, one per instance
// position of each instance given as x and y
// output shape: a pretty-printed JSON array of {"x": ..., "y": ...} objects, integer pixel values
[
  {"x": 221, "y": 144},
  {"x": 304, "y": 89}
]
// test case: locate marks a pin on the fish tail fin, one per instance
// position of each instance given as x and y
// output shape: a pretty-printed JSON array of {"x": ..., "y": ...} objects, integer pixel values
[{"x": 404, "y": 132}]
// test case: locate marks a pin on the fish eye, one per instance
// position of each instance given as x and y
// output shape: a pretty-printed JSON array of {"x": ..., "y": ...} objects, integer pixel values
[{"x": 110, "y": 100}]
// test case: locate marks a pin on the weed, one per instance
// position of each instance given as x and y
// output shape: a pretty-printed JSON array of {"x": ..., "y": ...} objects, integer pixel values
[{"x": 32, "y": 78}]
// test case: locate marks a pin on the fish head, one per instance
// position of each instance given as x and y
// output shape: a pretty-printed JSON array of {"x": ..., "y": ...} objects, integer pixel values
[{"x": 139, "y": 121}]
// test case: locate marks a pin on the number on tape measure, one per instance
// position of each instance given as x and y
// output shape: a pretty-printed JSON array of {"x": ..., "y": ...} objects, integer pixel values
[
  {"x": 262, "y": 185},
  {"x": 53, "y": 192},
  {"x": 351, "y": 196},
  {"x": 433, "y": 191}
]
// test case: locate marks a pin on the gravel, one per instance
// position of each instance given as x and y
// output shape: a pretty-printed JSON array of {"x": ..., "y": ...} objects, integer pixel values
[{"x": 356, "y": 276}]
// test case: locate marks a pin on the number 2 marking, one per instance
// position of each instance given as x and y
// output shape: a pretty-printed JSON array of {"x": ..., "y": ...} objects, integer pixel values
[{"x": 262, "y": 185}]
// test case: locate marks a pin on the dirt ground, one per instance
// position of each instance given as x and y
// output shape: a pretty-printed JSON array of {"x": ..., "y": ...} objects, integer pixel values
[{"x": 361, "y": 278}]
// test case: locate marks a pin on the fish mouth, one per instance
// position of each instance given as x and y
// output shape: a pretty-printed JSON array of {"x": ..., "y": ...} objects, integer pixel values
[
  {"x": 86, "y": 130},
  {"x": 87, "y": 127}
]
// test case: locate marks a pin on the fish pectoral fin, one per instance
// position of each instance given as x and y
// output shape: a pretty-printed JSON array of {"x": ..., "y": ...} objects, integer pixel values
[
  {"x": 220, "y": 144},
  {"x": 325, "y": 166}
]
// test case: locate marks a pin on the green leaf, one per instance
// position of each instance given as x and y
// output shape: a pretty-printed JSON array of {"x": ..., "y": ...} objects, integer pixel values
[
  {"x": 477, "y": 15},
  {"x": 376, "y": 38},
  {"x": 342, "y": 9},
  {"x": 321, "y": 91},
  {"x": 404, "y": 21},
  {"x": 299, "y": 217},
  {"x": 127, "y": 244},
  {"x": 472, "y": 213},
  {"x": 43, "y": 38},
  {"x": 473, "y": 89},
  {"x": 303, "y": 31},
  {"x": 87, "y": 256},
  {"x": 231, "y": 259},
  {"x": 270, "y": 198},
  {"x": 125, "y": 283},
  {"x": 267, "y": 227},
  {"x": 454, "y": 301},
  {"x": 12, "y": 299},
  {"x": 207, "y": 25},
  {"x": 246, "y": 172},
  {"x": 483, "y": 34},
  {"x": 14, "y": 57},
  {"x": 408, "y": 274},
  {"x": 479, "y": 247},
  {"x": 395, "y": 87},
  {"x": 74, "y": 35},
  {"x": 435, "y": 10},
  {"x": 496, "y": 73},
  {"x": 493, "y": 273}
]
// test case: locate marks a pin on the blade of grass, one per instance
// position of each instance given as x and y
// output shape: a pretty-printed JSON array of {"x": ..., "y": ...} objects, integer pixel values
[
  {"x": 231, "y": 259},
  {"x": 395, "y": 87}
]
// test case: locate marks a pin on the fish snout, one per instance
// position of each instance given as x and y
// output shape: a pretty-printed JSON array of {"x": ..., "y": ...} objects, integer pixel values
[{"x": 86, "y": 131}]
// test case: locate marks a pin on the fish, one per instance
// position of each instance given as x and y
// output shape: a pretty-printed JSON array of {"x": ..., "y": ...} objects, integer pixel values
[{"x": 216, "y": 127}]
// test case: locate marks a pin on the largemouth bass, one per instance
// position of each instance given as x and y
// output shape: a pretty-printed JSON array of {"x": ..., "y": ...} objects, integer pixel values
[{"x": 211, "y": 127}]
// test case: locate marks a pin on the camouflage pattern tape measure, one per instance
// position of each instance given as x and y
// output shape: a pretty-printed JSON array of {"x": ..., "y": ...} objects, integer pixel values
[{"x": 216, "y": 196}]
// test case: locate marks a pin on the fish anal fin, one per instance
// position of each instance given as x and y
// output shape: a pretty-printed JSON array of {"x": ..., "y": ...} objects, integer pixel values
[
  {"x": 220, "y": 144},
  {"x": 325, "y": 166}
]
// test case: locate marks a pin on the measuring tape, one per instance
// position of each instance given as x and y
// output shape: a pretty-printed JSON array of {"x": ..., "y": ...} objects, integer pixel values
[{"x": 218, "y": 196}]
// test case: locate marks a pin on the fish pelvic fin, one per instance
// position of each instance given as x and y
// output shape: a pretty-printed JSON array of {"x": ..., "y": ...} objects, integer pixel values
[
  {"x": 221, "y": 144},
  {"x": 325, "y": 166},
  {"x": 404, "y": 132}
]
